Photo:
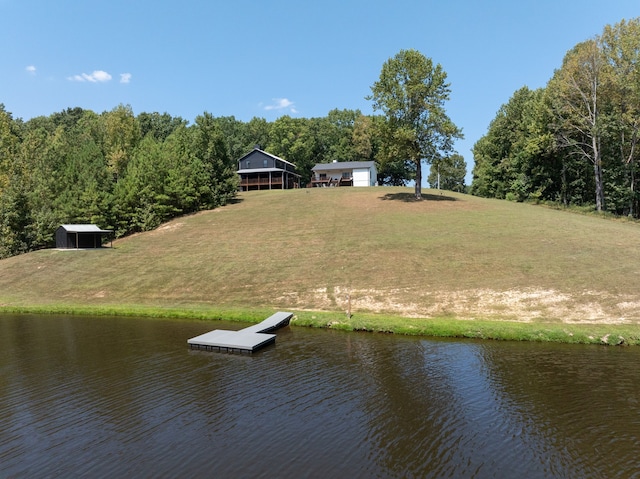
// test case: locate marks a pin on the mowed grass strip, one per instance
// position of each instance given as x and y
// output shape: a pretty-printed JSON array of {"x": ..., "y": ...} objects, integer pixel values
[{"x": 449, "y": 256}]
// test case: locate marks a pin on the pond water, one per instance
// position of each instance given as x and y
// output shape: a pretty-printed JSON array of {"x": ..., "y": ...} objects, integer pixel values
[{"x": 123, "y": 397}]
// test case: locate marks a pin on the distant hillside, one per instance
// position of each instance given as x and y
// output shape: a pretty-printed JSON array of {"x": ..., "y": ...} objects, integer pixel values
[{"x": 450, "y": 255}]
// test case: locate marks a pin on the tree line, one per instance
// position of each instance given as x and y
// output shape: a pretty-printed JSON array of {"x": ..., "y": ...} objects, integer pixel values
[
  {"x": 575, "y": 141},
  {"x": 130, "y": 172}
]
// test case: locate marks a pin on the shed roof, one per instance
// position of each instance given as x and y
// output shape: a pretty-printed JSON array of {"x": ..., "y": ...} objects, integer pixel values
[
  {"x": 343, "y": 165},
  {"x": 84, "y": 228}
]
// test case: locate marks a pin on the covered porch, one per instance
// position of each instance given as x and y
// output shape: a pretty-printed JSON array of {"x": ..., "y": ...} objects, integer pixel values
[{"x": 268, "y": 179}]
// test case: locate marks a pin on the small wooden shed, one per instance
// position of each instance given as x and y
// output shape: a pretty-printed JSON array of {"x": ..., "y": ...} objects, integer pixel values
[{"x": 80, "y": 236}]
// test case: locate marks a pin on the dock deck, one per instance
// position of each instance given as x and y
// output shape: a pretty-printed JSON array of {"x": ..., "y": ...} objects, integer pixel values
[{"x": 245, "y": 340}]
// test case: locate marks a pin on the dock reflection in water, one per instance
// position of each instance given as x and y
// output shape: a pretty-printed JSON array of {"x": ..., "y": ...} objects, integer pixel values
[{"x": 114, "y": 397}]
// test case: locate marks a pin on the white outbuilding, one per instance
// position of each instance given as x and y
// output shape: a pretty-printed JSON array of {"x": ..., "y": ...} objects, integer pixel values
[{"x": 345, "y": 173}]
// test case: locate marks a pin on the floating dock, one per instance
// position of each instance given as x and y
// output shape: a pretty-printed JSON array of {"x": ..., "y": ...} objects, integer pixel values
[{"x": 246, "y": 340}]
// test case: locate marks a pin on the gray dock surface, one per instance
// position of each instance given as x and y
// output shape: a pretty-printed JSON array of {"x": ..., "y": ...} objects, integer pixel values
[{"x": 245, "y": 340}]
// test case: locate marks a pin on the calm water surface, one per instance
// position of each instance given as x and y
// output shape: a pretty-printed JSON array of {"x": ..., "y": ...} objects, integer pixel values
[{"x": 122, "y": 397}]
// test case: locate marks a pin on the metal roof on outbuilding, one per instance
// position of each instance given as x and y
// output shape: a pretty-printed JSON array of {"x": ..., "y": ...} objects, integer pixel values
[
  {"x": 343, "y": 165},
  {"x": 84, "y": 228}
]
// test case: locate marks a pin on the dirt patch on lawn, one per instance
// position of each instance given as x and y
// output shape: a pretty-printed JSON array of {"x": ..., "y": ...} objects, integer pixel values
[
  {"x": 165, "y": 228},
  {"x": 529, "y": 305}
]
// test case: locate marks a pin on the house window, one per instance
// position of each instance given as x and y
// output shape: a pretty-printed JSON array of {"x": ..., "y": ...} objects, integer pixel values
[
  {"x": 346, "y": 174},
  {"x": 248, "y": 164},
  {"x": 264, "y": 162},
  {"x": 323, "y": 176}
]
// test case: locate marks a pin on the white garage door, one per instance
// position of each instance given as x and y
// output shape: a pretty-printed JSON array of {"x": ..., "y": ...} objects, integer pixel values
[{"x": 361, "y": 177}]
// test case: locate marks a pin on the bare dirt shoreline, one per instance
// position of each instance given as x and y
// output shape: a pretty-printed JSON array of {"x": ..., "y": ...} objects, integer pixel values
[{"x": 529, "y": 305}]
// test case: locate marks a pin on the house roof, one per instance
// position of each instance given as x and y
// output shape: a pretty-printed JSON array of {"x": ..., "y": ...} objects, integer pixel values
[
  {"x": 84, "y": 229},
  {"x": 265, "y": 170},
  {"x": 268, "y": 154},
  {"x": 343, "y": 165}
]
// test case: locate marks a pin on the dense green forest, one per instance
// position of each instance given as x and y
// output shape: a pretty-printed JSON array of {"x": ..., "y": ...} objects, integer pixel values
[{"x": 574, "y": 142}]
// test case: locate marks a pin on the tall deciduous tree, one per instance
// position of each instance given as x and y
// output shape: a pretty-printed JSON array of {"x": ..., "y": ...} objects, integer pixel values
[
  {"x": 621, "y": 47},
  {"x": 122, "y": 134},
  {"x": 411, "y": 92},
  {"x": 578, "y": 91}
]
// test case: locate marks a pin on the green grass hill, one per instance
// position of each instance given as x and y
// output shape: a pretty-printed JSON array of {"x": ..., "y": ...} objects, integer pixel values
[{"x": 396, "y": 264}]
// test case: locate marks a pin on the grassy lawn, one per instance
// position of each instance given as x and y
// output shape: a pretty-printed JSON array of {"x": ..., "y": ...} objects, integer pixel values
[{"x": 470, "y": 266}]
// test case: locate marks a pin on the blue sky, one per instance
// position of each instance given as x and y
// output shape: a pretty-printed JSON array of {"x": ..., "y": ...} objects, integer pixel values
[{"x": 285, "y": 57}]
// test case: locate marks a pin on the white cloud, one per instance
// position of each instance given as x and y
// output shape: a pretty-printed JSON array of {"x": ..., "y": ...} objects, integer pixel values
[
  {"x": 125, "y": 77},
  {"x": 31, "y": 69},
  {"x": 282, "y": 104},
  {"x": 95, "y": 77}
]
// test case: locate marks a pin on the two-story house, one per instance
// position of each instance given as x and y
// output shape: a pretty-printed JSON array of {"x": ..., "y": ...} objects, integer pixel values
[{"x": 260, "y": 170}]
